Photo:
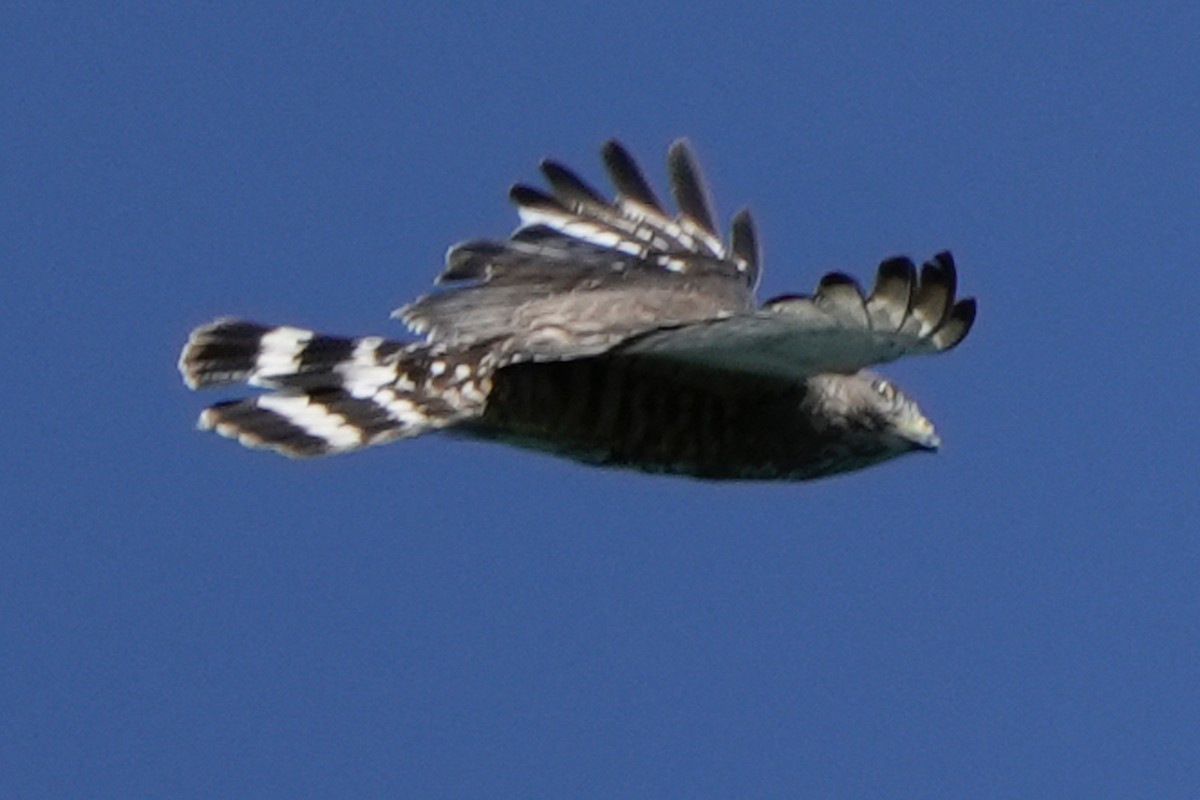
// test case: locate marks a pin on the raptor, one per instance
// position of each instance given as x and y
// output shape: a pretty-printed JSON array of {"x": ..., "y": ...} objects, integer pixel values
[{"x": 613, "y": 332}]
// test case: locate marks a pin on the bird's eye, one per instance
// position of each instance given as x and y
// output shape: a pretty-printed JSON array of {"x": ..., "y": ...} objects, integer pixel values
[{"x": 885, "y": 389}]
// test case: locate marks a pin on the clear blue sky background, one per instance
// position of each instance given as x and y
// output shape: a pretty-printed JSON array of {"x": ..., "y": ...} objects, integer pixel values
[{"x": 1015, "y": 617}]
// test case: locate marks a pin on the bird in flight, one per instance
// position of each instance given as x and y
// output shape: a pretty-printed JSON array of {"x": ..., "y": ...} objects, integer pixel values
[{"x": 612, "y": 332}]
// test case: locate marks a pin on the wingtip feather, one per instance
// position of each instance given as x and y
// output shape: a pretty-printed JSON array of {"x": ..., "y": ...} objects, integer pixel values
[
  {"x": 743, "y": 243},
  {"x": 957, "y": 325},
  {"x": 688, "y": 186},
  {"x": 627, "y": 177},
  {"x": 840, "y": 294},
  {"x": 935, "y": 292},
  {"x": 568, "y": 187}
]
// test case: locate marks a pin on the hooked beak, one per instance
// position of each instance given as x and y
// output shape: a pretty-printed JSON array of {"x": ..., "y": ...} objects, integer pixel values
[
  {"x": 919, "y": 431},
  {"x": 929, "y": 443}
]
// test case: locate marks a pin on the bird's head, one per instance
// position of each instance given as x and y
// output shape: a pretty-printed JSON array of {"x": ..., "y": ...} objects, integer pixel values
[{"x": 868, "y": 418}]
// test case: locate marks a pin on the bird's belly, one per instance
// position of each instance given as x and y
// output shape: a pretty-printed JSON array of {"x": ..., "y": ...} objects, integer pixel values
[{"x": 636, "y": 414}]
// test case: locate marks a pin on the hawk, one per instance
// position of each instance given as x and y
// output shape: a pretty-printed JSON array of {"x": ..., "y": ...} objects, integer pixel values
[{"x": 611, "y": 332}]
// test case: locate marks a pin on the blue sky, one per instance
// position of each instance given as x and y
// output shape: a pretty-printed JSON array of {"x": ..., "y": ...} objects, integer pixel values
[{"x": 1015, "y": 617}]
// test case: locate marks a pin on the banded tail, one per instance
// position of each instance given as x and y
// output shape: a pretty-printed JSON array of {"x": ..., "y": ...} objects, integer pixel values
[{"x": 330, "y": 394}]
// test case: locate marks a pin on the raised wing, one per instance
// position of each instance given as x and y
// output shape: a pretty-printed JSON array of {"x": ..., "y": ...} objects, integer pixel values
[
  {"x": 836, "y": 329},
  {"x": 583, "y": 273}
]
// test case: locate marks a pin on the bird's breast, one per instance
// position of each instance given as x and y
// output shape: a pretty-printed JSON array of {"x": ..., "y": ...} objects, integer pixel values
[{"x": 645, "y": 414}]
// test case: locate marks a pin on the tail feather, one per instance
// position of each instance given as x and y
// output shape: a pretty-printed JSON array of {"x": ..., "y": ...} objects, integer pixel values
[
  {"x": 333, "y": 394},
  {"x": 235, "y": 351}
]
